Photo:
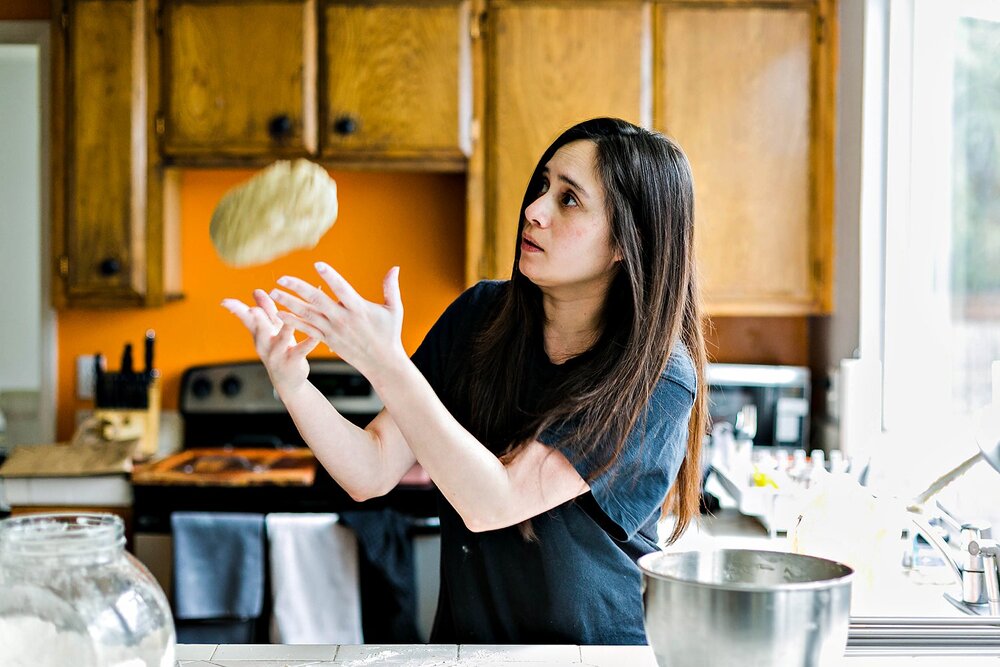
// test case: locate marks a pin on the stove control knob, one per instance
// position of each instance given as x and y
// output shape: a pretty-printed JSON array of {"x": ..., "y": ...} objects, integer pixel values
[
  {"x": 231, "y": 385},
  {"x": 201, "y": 387}
]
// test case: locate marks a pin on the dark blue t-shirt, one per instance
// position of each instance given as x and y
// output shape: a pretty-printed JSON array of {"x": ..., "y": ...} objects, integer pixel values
[{"x": 577, "y": 583}]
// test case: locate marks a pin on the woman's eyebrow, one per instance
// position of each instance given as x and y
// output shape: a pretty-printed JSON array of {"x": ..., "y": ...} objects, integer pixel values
[{"x": 568, "y": 181}]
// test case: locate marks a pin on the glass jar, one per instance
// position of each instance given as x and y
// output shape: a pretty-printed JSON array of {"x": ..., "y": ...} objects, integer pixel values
[{"x": 71, "y": 595}]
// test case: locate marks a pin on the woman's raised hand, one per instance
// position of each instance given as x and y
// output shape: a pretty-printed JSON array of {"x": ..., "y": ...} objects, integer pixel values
[
  {"x": 283, "y": 357},
  {"x": 364, "y": 334}
]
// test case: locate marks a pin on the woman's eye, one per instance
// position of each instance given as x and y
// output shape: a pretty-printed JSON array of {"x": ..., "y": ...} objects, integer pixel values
[
  {"x": 544, "y": 187},
  {"x": 568, "y": 199}
]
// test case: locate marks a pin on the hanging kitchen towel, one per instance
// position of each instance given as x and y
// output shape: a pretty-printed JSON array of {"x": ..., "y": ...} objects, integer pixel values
[
  {"x": 314, "y": 580},
  {"x": 218, "y": 565},
  {"x": 388, "y": 576}
]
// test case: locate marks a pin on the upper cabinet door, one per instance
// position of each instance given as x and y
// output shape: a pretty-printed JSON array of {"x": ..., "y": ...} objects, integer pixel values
[
  {"x": 99, "y": 161},
  {"x": 550, "y": 65},
  {"x": 745, "y": 89},
  {"x": 396, "y": 80},
  {"x": 239, "y": 78}
]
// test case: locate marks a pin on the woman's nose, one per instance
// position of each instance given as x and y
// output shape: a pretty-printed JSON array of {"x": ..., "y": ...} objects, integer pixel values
[{"x": 536, "y": 213}]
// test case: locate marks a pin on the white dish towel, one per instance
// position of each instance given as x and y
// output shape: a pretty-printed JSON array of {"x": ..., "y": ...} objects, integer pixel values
[{"x": 314, "y": 580}]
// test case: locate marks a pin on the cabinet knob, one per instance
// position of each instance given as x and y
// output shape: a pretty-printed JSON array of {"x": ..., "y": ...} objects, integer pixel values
[
  {"x": 110, "y": 267},
  {"x": 280, "y": 127},
  {"x": 345, "y": 125}
]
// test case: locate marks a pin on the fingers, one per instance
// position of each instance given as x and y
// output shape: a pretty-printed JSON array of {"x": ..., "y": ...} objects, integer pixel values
[
  {"x": 301, "y": 309},
  {"x": 310, "y": 293},
  {"x": 305, "y": 347},
  {"x": 285, "y": 336},
  {"x": 265, "y": 302},
  {"x": 253, "y": 318},
  {"x": 340, "y": 287},
  {"x": 241, "y": 311},
  {"x": 390, "y": 289},
  {"x": 298, "y": 324}
]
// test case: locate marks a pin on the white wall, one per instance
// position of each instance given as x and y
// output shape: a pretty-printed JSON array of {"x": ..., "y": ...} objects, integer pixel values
[
  {"x": 27, "y": 321},
  {"x": 20, "y": 219}
]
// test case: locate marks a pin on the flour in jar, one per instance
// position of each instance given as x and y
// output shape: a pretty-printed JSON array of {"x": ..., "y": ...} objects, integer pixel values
[{"x": 27, "y": 641}]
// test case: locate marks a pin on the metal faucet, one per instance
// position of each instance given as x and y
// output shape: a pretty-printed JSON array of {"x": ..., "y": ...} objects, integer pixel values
[
  {"x": 989, "y": 552},
  {"x": 976, "y": 571}
]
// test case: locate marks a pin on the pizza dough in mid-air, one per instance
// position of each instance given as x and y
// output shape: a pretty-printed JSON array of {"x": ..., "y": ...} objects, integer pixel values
[{"x": 286, "y": 207}]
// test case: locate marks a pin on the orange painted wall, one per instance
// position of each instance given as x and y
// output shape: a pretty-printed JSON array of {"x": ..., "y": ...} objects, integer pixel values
[{"x": 415, "y": 221}]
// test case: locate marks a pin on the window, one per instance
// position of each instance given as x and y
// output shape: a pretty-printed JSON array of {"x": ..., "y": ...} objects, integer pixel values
[{"x": 941, "y": 328}]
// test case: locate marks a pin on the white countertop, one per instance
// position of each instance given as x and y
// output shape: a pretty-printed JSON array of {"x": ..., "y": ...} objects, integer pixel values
[
  {"x": 727, "y": 529},
  {"x": 447, "y": 655}
]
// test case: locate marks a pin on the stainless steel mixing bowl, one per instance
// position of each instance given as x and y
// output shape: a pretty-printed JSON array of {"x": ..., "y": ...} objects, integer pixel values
[{"x": 746, "y": 608}]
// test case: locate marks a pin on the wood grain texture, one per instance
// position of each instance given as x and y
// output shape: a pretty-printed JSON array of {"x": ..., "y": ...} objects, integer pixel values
[
  {"x": 397, "y": 69},
  {"x": 475, "y": 176},
  {"x": 231, "y": 67},
  {"x": 105, "y": 151},
  {"x": 550, "y": 66},
  {"x": 735, "y": 88},
  {"x": 758, "y": 340},
  {"x": 826, "y": 58}
]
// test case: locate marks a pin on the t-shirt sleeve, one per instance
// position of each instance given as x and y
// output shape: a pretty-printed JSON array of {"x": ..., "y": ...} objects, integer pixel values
[
  {"x": 632, "y": 490},
  {"x": 452, "y": 333}
]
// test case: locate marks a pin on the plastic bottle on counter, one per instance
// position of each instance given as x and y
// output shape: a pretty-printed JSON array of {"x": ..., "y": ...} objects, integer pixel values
[
  {"x": 817, "y": 467},
  {"x": 799, "y": 471},
  {"x": 838, "y": 464}
]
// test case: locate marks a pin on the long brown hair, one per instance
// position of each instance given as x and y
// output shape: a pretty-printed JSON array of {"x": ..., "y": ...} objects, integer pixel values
[{"x": 652, "y": 303}]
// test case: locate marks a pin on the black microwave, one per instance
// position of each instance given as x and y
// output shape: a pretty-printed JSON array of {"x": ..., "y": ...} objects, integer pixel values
[{"x": 777, "y": 397}]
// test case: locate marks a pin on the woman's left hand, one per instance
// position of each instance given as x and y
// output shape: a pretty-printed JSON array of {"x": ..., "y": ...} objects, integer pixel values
[{"x": 364, "y": 334}]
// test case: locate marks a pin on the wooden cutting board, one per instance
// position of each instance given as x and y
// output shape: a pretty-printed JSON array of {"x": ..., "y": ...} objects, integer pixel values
[{"x": 230, "y": 467}]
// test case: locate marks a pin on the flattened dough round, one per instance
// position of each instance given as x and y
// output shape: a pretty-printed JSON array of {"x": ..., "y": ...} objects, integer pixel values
[{"x": 286, "y": 207}]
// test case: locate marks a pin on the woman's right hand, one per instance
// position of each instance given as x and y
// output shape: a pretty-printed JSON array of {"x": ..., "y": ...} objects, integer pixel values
[{"x": 283, "y": 357}]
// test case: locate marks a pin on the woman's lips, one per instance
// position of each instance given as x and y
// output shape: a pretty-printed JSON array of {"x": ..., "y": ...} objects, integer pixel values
[{"x": 528, "y": 246}]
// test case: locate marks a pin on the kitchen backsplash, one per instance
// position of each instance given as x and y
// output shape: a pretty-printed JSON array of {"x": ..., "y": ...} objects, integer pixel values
[{"x": 415, "y": 221}]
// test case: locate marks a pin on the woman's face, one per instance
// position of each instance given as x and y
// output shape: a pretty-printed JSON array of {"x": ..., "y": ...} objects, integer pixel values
[{"x": 566, "y": 239}]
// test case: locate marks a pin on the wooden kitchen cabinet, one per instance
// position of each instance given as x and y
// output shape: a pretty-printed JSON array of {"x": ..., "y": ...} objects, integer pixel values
[
  {"x": 238, "y": 78},
  {"x": 396, "y": 80},
  {"x": 548, "y": 66},
  {"x": 113, "y": 242},
  {"x": 746, "y": 89}
]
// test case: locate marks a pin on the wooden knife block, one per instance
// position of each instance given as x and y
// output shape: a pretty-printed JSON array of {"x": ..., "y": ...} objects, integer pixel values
[{"x": 143, "y": 425}]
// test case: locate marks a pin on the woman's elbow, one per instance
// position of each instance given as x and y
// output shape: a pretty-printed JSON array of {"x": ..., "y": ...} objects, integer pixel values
[
  {"x": 481, "y": 523},
  {"x": 360, "y": 494}
]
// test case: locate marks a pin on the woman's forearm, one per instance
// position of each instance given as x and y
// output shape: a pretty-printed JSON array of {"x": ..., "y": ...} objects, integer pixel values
[
  {"x": 353, "y": 456},
  {"x": 470, "y": 477}
]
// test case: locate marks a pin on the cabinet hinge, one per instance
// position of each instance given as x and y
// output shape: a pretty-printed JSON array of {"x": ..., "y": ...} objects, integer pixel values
[
  {"x": 477, "y": 25},
  {"x": 820, "y": 29},
  {"x": 63, "y": 266},
  {"x": 160, "y": 124}
]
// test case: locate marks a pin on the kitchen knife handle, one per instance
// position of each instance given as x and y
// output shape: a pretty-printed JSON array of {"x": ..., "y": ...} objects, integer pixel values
[
  {"x": 126, "y": 368},
  {"x": 150, "y": 339}
]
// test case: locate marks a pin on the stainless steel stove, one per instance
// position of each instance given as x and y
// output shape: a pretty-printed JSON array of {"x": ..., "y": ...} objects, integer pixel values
[{"x": 233, "y": 407}]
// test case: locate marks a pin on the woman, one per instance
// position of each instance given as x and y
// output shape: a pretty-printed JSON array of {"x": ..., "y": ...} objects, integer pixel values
[{"x": 553, "y": 411}]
